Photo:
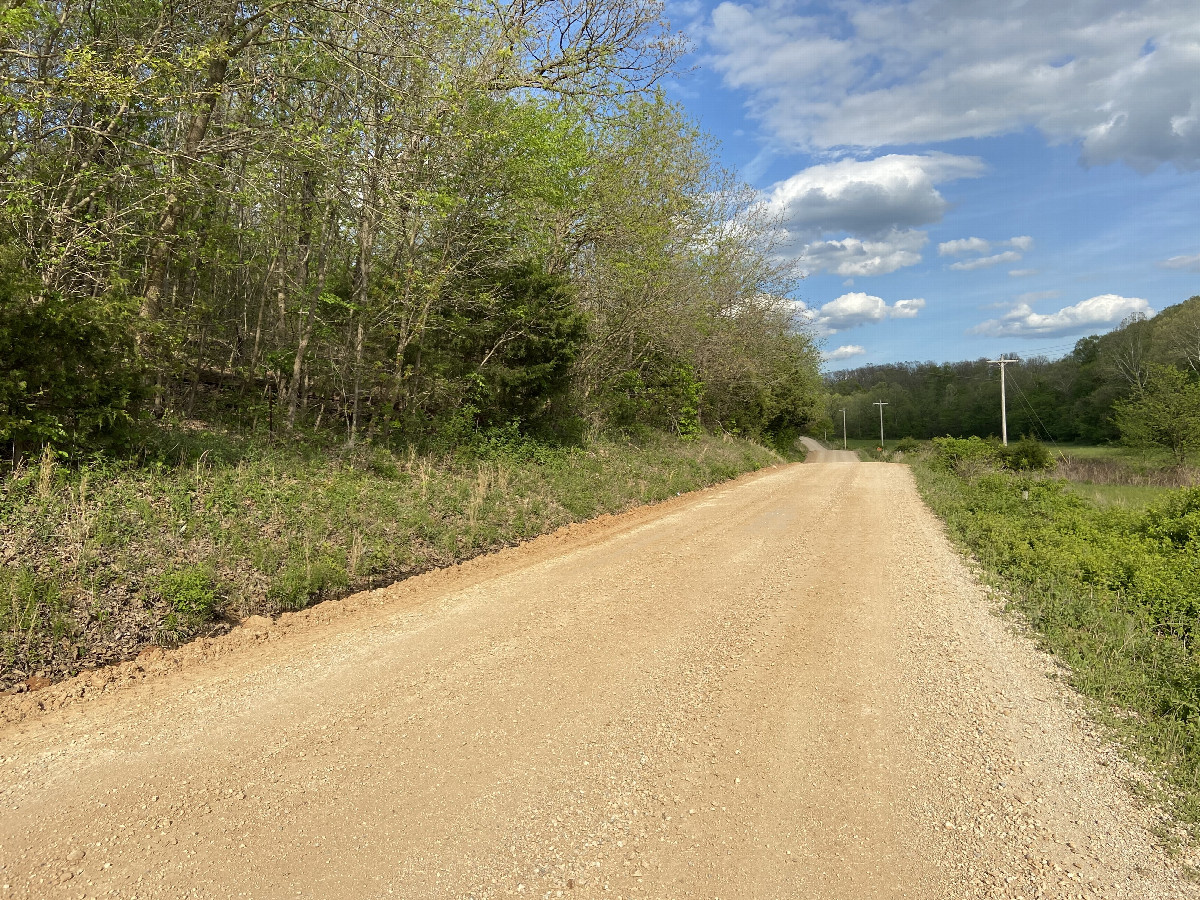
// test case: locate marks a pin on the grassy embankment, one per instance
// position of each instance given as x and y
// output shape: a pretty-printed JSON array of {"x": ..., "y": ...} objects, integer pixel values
[
  {"x": 1108, "y": 575},
  {"x": 101, "y": 561}
]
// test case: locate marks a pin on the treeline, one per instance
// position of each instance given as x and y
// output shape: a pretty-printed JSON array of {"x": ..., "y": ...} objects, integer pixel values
[
  {"x": 385, "y": 221},
  {"x": 1063, "y": 400}
]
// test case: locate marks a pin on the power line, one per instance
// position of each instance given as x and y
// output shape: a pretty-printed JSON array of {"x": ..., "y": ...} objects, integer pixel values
[{"x": 1033, "y": 412}]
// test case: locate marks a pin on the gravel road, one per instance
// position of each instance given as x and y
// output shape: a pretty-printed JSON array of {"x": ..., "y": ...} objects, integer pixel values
[{"x": 788, "y": 686}]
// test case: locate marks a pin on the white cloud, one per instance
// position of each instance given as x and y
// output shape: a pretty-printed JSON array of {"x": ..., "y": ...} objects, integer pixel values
[
  {"x": 846, "y": 351},
  {"x": 962, "y": 246},
  {"x": 984, "y": 262},
  {"x": 908, "y": 309},
  {"x": 1022, "y": 273},
  {"x": 1022, "y": 321},
  {"x": 858, "y": 308},
  {"x": 851, "y": 257},
  {"x": 1122, "y": 79},
  {"x": 1187, "y": 263},
  {"x": 868, "y": 198}
]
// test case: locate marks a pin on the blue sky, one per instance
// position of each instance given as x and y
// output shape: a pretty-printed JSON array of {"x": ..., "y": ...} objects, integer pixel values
[{"x": 961, "y": 178}]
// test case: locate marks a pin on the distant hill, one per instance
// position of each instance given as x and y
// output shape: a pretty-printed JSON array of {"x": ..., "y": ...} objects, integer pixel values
[{"x": 1062, "y": 400}]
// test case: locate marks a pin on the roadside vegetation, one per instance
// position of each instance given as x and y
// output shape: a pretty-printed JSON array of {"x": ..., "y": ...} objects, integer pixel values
[
  {"x": 1107, "y": 575},
  {"x": 104, "y": 559}
]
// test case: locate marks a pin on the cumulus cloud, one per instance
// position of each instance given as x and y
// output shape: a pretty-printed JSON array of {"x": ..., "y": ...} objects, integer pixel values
[
  {"x": 852, "y": 257},
  {"x": 860, "y": 217},
  {"x": 984, "y": 262},
  {"x": 858, "y": 308},
  {"x": 1104, "y": 310},
  {"x": 963, "y": 245},
  {"x": 846, "y": 351},
  {"x": 1187, "y": 263},
  {"x": 871, "y": 197},
  {"x": 1022, "y": 273},
  {"x": 1120, "y": 79},
  {"x": 973, "y": 245}
]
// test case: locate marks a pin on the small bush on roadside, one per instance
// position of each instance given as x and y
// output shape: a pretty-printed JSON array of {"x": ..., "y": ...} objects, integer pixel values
[
  {"x": 191, "y": 595},
  {"x": 965, "y": 457},
  {"x": 1027, "y": 455},
  {"x": 302, "y": 582},
  {"x": 908, "y": 445}
]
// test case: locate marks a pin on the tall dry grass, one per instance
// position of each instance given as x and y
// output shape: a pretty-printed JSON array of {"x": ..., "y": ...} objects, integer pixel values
[{"x": 1124, "y": 472}]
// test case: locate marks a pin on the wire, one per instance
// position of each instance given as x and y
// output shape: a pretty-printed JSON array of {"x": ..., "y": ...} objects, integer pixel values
[{"x": 1033, "y": 412}]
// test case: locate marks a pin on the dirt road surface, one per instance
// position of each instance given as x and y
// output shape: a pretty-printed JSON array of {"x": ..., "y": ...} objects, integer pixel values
[{"x": 784, "y": 687}]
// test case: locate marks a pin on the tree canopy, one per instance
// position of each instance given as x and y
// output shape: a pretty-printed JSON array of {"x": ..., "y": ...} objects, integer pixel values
[{"x": 378, "y": 218}]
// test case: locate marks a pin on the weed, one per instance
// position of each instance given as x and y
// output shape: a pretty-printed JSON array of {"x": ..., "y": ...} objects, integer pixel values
[{"x": 190, "y": 593}]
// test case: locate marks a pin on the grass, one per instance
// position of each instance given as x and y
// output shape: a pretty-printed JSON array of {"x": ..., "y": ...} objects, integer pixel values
[
  {"x": 1108, "y": 576},
  {"x": 102, "y": 560},
  {"x": 1132, "y": 496}
]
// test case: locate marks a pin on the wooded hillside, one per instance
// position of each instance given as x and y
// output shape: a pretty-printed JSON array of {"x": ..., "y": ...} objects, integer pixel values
[
  {"x": 1063, "y": 400},
  {"x": 385, "y": 221}
]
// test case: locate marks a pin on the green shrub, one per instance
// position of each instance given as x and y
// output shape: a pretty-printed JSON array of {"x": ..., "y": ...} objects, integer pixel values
[
  {"x": 965, "y": 457},
  {"x": 1027, "y": 455},
  {"x": 190, "y": 593},
  {"x": 302, "y": 581},
  {"x": 1114, "y": 592},
  {"x": 69, "y": 375},
  {"x": 907, "y": 445}
]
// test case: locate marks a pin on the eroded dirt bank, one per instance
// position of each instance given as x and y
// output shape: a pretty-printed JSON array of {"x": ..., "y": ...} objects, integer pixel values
[{"x": 785, "y": 687}]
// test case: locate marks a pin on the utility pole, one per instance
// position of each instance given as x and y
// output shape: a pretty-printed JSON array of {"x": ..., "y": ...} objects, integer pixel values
[
  {"x": 881, "y": 404},
  {"x": 843, "y": 411},
  {"x": 1002, "y": 362}
]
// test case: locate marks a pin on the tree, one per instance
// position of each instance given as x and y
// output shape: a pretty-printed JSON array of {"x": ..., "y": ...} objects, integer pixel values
[{"x": 1166, "y": 413}]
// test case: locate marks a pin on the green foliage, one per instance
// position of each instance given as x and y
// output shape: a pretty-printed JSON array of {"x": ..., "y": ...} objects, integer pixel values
[
  {"x": 1115, "y": 592},
  {"x": 509, "y": 342},
  {"x": 908, "y": 445},
  {"x": 1165, "y": 413},
  {"x": 107, "y": 557},
  {"x": 33, "y": 618},
  {"x": 305, "y": 580},
  {"x": 1026, "y": 455},
  {"x": 67, "y": 372},
  {"x": 965, "y": 456},
  {"x": 190, "y": 593},
  {"x": 1062, "y": 400}
]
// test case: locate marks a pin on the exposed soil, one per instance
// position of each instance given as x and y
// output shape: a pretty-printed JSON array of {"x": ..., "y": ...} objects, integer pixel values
[{"x": 788, "y": 686}]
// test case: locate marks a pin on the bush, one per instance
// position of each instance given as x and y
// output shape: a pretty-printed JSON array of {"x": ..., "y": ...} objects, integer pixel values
[
  {"x": 1115, "y": 593},
  {"x": 907, "y": 445},
  {"x": 302, "y": 582},
  {"x": 191, "y": 594},
  {"x": 68, "y": 372},
  {"x": 1027, "y": 455},
  {"x": 965, "y": 457}
]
